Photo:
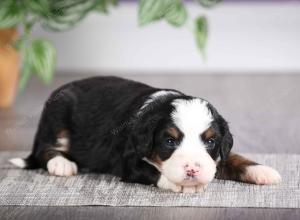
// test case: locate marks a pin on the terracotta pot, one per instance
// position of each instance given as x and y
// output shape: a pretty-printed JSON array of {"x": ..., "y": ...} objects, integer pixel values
[{"x": 9, "y": 67}]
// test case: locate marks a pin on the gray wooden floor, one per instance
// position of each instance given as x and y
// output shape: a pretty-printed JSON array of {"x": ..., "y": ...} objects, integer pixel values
[
  {"x": 264, "y": 116},
  {"x": 141, "y": 213}
]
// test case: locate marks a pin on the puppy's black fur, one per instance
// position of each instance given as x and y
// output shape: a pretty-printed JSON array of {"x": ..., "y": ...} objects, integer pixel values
[{"x": 109, "y": 131}]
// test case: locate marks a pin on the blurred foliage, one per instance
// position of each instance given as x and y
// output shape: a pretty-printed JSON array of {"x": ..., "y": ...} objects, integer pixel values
[
  {"x": 39, "y": 56},
  {"x": 172, "y": 10},
  {"x": 201, "y": 33}
]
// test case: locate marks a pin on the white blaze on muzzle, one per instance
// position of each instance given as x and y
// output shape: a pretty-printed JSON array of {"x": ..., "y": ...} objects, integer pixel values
[{"x": 189, "y": 167}]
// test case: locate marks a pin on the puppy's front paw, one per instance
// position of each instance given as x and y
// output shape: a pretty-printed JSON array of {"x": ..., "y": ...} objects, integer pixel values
[
  {"x": 261, "y": 175},
  {"x": 201, "y": 188},
  {"x": 193, "y": 189},
  {"x": 60, "y": 166},
  {"x": 164, "y": 183},
  {"x": 189, "y": 189}
]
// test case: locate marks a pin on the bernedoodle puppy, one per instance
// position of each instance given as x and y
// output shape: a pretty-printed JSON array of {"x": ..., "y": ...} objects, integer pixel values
[{"x": 142, "y": 134}]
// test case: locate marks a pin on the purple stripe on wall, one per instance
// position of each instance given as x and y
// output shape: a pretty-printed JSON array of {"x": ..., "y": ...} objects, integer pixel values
[
  {"x": 239, "y": 1},
  {"x": 261, "y": 0}
]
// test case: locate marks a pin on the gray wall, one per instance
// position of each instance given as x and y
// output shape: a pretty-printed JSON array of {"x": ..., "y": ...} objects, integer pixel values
[{"x": 244, "y": 37}]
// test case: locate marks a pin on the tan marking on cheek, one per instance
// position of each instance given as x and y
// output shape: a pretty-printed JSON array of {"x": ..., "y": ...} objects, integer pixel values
[
  {"x": 156, "y": 160},
  {"x": 209, "y": 133}
]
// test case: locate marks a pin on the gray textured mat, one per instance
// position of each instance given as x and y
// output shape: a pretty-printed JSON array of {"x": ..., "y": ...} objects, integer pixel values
[{"x": 23, "y": 187}]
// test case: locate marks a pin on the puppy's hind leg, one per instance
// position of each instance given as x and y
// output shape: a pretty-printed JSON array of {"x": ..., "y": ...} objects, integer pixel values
[
  {"x": 56, "y": 159},
  {"x": 51, "y": 145}
]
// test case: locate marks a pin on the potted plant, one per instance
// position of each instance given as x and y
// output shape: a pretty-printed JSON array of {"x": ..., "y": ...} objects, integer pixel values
[
  {"x": 38, "y": 56},
  {"x": 9, "y": 62}
]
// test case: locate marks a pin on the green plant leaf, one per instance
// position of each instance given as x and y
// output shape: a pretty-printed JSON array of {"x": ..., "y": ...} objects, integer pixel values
[
  {"x": 66, "y": 14},
  {"x": 41, "y": 7},
  {"x": 150, "y": 10},
  {"x": 101, "y": 6},
  {"x": 114, "y": 2},
  {"x": 172, "y": 10},
  {"x": 72, "y": 7},
  {"x": 25, "y": 75},
  {"x": 40, "y": 56},
  {"x": 11, "y": 13},
  {"x": 56, "y": 24},
  {"x": 208, "y": 3},
  {"x": 177, "y": 14},
  {"x": 201, "y": 32}
]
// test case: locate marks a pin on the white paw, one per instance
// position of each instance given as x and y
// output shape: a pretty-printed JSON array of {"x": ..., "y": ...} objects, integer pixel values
[
  {"x": 60, "y": 166},
  {"x": 189, "y": 189},
  {"x": 262, "y": 175},
  {"x": 18, "y": 162},
  {"x": 164, "y": 183},
  {"x": 193, "y": 189},
  {"x": 201, "y": 188}
]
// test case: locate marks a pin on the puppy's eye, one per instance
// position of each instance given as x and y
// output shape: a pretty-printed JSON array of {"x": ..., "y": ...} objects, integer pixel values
[
  {"x": 170, "y": 142},
  {"x": 210, "y": 143}
]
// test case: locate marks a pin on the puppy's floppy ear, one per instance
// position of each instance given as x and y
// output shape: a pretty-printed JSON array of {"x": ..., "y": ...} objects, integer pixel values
[
  {"x": 227, "y": 140},
  {"x": 143, "y": 131}
]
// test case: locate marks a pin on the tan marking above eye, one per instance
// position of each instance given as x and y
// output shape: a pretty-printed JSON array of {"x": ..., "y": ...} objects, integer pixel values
[
  {"x": 208, "y": 134},
  {"x": 173, "y": 132}
]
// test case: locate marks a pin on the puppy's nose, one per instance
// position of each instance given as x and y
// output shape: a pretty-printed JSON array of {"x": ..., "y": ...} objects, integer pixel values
[{"x": 191, "y": 171}]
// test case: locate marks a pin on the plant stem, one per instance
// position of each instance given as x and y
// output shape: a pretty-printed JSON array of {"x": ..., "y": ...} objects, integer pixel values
[
  {"x": 24, "y": 77},
  {"x": 26, "y": 69}
]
